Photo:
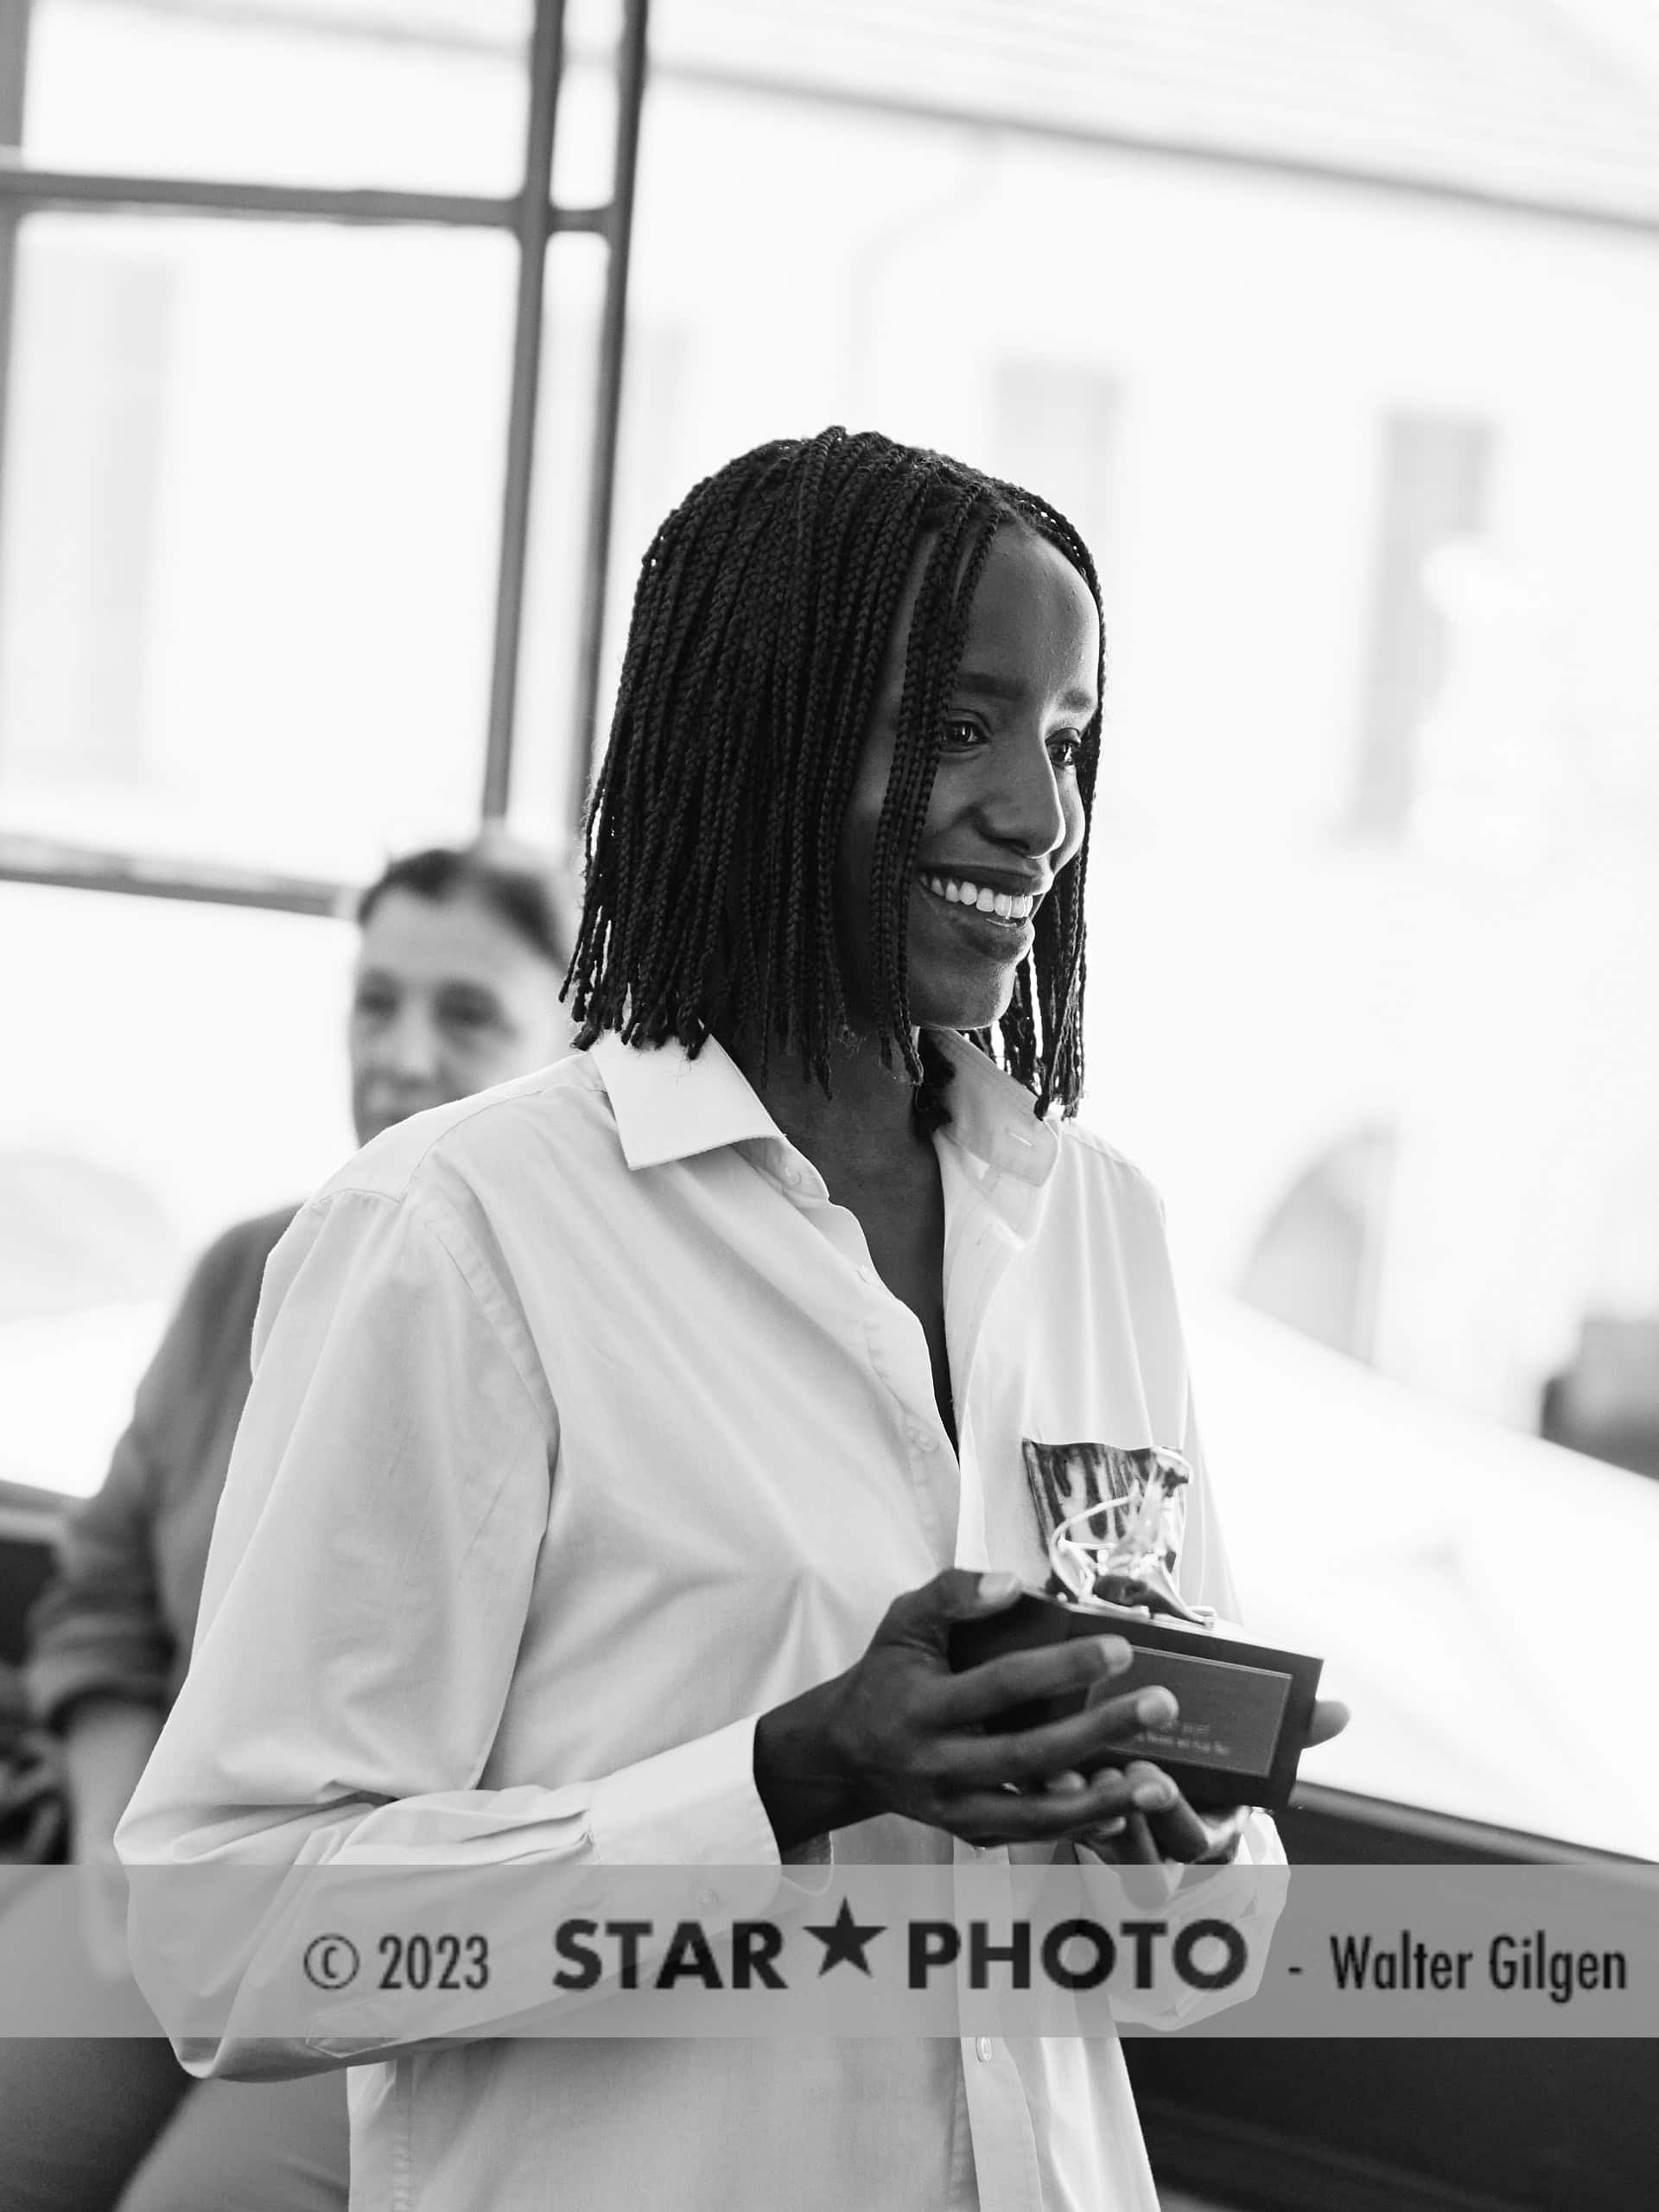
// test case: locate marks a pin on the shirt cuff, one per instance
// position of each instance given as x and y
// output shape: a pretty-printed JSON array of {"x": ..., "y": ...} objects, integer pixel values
[
  {"x": 695, "y": 1805},
  {"x": 1259, "y": 1844},
  {"x": 808, "y": 1866}
]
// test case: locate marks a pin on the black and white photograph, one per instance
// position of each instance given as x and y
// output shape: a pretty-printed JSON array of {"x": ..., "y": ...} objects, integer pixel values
[{"x": 830, "y": 1129}]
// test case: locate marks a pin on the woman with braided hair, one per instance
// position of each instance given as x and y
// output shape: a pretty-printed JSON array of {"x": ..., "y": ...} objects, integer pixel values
[
  {"x": 637, "y": 1431},
  {"x": 745, "y": 671}
]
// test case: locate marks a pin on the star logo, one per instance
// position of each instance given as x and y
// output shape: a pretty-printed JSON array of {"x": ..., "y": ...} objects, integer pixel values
[{"x": 844, "y": 1940}]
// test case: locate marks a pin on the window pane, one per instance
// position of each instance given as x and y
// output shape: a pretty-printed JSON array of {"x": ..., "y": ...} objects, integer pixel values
[
  {"x": 584, "y": 140},
  {"x": 424, "y": 94},
  {"x": 251, "y": 516},
  {"x": 196, "y": 1077},
  {"x": 1433, "y": 494},
  {"x": 558, "y": 537}
]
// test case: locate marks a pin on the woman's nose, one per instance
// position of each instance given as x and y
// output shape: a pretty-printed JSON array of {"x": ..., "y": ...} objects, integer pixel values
[{"x": 1024, "y": 807}]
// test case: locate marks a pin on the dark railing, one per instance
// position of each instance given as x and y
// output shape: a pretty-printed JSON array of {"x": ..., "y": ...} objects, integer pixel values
[{"x": 1453, "y": 2125}]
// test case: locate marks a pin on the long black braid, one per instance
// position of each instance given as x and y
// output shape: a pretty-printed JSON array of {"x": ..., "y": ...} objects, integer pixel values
[{"x": 762, "y": 616}]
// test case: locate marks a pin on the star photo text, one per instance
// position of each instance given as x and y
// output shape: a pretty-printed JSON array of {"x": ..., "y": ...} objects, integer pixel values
[{"x": 1017, "y": 1954}]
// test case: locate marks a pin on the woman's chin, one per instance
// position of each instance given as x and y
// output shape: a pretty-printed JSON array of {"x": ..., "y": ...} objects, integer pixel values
[{"x": 961, "y": 1008}]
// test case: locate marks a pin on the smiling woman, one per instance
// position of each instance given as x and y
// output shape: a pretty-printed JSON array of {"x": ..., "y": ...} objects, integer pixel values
[
  {"x": 1005, "y": 816},
  {"x": 950, "y": 619},
  {"x": 638, "y": 1433}
]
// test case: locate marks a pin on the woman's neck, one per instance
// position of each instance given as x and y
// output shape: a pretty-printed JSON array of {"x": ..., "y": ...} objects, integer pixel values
[{"x": 865, "y": 1133}]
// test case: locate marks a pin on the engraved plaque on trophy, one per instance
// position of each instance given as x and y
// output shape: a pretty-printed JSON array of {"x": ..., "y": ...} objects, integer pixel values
[{"x": 1244, "y": 1708}]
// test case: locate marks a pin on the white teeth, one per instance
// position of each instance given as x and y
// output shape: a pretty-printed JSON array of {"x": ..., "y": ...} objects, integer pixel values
[{"x": 960, "y": 893}]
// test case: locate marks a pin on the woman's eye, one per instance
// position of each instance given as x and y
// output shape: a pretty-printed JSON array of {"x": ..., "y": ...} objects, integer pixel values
[
  {"x": 1067, "y": 748},
  {"x": 962, "y": 732}
]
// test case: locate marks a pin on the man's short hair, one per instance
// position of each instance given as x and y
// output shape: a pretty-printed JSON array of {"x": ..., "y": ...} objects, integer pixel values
[{"x": 519, "y": 884}]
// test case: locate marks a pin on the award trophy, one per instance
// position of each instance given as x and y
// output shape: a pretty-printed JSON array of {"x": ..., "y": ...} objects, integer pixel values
[{"x": 1243, "y": 1708}]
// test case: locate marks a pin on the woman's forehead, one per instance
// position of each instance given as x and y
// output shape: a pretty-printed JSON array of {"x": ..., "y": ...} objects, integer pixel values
[{"x": 1032, "y": 612}]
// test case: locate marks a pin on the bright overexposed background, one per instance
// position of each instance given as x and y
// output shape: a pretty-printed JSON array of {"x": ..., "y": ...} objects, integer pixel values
[{"x": 1373, "y": 485}]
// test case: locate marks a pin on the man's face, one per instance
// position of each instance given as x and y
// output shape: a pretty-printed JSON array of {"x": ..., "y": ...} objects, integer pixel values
[
  {"x": 1005, "y": 816},
  {"x": 448, "y": 1000}
]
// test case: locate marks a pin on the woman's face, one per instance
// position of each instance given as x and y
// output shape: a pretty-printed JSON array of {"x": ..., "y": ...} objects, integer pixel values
[
  {"x": 1006, "y": 815},
  {"x": 448, "y": 1000}
]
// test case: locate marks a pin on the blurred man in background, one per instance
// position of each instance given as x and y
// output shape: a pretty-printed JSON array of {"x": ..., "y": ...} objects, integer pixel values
[{"x": 461, "y": 956}]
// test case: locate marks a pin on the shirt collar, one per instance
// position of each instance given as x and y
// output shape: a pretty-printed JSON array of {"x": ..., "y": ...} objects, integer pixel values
[
  {"x": 991, "y": 1115},
  {"x": 669, "y": 1106}
]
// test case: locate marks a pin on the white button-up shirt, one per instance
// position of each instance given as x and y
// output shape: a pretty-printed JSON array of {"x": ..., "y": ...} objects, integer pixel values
[{"x": 582, "y": 1432}]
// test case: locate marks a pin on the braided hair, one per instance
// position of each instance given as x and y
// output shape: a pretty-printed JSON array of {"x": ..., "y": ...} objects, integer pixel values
[{"x": 764, "y": 611}]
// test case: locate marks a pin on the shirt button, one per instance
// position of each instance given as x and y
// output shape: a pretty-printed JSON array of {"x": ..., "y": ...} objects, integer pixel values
[
  {"x": 792, "y": 1177},
  {"x": 983, "y": 2048},
  {"x": 866, "y": 1275},
  {"x": 923, "y": 1441}
]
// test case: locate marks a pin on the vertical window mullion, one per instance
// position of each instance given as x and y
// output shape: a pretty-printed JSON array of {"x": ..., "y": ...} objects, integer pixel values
[
  {"x": 532, "y": 230},
  {"x": 607, "y": 404}
]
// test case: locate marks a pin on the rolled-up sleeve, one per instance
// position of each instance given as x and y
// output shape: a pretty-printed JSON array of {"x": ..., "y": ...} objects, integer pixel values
[
  {"x": 99, "y": 1629},
  {"x": 366, "y": 1596},
  {"x": 113, "y": 1620}
]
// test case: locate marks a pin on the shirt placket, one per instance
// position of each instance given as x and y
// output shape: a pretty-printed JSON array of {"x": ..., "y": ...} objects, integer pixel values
[
  {"x": 988, "y": 1217},
  {"x": 896, "y": 1350},
  {"x": 980, "y": 1240},
  {"x": 987, "y": 1220}
]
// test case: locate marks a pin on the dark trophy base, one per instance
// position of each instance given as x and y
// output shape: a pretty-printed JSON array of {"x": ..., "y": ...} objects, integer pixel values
[{"x": 1245, "y": 1709}]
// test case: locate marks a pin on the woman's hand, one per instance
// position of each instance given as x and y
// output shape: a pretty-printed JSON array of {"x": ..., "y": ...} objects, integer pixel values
[
  {"x": 900, "y": 1732},
  {"x": 1160, "y": 1824}
]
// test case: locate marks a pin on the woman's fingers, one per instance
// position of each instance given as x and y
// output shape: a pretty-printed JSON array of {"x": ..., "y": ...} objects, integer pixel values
[
  {"x": 1040, "y": 1816},
  {"x": 1173, "y": 1829},
  {"x": 1031, "y": 1758},
  {"x": 1330, "y": 1717},
  {"x": 980, "y": 1695}
]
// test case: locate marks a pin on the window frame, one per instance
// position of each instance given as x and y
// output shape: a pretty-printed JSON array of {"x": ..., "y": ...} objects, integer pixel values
[{"x": 533, "y": 218}]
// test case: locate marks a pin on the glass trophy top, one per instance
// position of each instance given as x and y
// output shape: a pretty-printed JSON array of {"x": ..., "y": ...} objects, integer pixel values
[{"x": 1119, "y": 1554}]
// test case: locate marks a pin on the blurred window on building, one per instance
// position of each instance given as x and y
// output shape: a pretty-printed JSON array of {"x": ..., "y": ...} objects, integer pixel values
[
  {"x": 1318, "y": 1263},
  {"x": 1606, "y": 1401},
  {"x": 1603, "y": 1398},
  {"x": 1434, "y": 490}
]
